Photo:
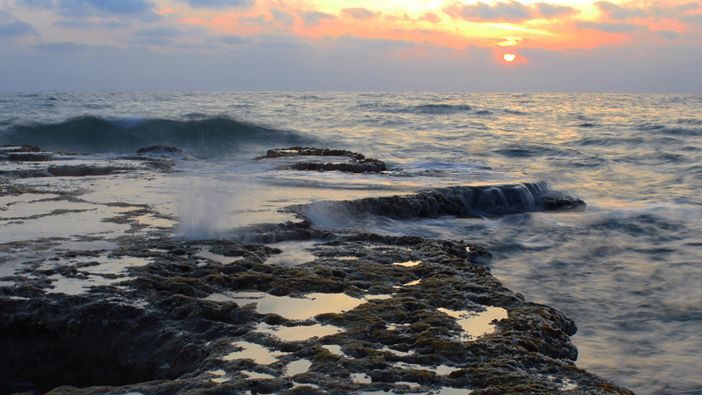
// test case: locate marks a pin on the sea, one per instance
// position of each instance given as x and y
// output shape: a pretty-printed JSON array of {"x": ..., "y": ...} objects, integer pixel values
[{"x": 627, "y": 269}]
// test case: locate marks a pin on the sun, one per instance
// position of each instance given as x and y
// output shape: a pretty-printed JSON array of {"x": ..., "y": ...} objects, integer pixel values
[{"x": 509, "y": 57}]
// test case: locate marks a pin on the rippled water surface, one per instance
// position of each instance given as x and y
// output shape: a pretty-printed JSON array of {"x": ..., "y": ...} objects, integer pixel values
[{"x": 628, "y": 269}]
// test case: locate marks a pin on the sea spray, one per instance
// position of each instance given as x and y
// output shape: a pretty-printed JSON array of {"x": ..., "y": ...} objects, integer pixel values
[{"x": 203, "y": 210}]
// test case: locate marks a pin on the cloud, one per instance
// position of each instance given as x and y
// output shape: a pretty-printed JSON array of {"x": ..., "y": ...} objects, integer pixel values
[
  {"x": 158, "y": 35},
  {"x": 13, "y": 27},
  {"x": 610, "y": 27},
  {"x": 63, "y": 47},
  {"x": 430, "y": 17},
  {"x": 313, "y": 18},
  {"x": 547, "y": 10},
  {"x": 668, "y": 34},
  {"x": 82, "y": 24},
  {"x": 358, "y": 13},
  {"x": 220, "y": 3},
  {"x": 511, "y": 11},
  {"x": 113, "y": 7},
  {"x": 282, "y": 17},
  {"x": 37, "y": 3},
  {"x": 614, "y": 11}
]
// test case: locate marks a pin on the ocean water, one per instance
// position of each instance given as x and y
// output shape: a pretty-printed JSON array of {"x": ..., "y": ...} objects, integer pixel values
[{"x": 628, "y": 269}]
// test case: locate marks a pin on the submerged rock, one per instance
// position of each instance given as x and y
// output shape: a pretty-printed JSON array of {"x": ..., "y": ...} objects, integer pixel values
[
  {"x": 159, "y": 149},
  {"x": 356, "y": 163},
  {"x": 30, "y": 156}
]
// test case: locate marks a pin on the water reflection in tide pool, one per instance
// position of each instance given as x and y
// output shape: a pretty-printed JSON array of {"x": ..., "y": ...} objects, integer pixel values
[
  {"x": 298, "y": 333},
  {"x": 477, "y": 324},
  {"x": 303, "y": 308}
]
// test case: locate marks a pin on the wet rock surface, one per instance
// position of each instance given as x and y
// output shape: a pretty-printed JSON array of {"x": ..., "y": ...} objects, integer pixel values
[
  {"x": 356, "y": 163},
  {"x": 29, "y": 161},
  {"x": 162, "y": 323},
  {"x": 361, "y": 313},
  {"x": 462, "y": 201}
]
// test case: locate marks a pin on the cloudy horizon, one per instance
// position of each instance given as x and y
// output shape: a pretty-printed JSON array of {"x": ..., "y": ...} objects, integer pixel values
[{"x": 425, "y": 45}]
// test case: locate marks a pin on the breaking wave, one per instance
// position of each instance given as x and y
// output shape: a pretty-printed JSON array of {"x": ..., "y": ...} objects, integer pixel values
[
  {"x": 461, "y": 201},
  {"x": 204, "y": 136}
]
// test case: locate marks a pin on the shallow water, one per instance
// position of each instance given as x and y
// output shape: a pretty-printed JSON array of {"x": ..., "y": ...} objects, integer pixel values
[
  {"x": 477, "y": 324},
  {"x": 296, "y": 308},
  {"x": 627, "y": 269}
]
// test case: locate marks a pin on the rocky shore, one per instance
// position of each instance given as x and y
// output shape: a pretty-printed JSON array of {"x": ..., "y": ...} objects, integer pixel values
[{"x": 310, "y": 311}]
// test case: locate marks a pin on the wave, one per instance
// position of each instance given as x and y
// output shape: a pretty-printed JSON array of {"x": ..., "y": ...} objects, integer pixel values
[
  {"x": 679, "y": 131},
  {"x": 461, "y": 201},
  {"x": 690, "y": 121},
  {"x": 440, "y": 108},
  {"x": 532, "y": 150},
  {"x": 422, "y": 109},
  {"x": 201, "y": 137}
]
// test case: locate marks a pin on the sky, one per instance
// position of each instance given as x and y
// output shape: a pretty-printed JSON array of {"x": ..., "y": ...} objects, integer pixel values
[{"x": 351, "y": 45}]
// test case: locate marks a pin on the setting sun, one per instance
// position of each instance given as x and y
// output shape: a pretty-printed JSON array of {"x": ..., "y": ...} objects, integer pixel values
[{"x": 509, "y": 57}]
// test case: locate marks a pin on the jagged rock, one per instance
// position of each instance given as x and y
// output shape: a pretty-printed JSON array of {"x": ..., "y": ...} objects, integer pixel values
[
  {"x": 357, "y": 163},
  {"x": 160, "y": 332},
  {"x": 464, "y": 201}
]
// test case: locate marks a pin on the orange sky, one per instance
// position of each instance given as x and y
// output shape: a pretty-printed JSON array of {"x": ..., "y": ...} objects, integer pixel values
[
  {"x": 649, "y": 45},
  {"x": 556, "y": 25}
]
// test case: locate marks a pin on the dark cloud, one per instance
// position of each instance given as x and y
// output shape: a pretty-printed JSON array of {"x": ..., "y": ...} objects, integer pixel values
[
  {"x": 668, "y": 34},
  {"x": 511, "y": 11},
  {"x": 112, "y": 7},
  {"x": 13, "y": 27},
  {"x": 610, "y": 27},
  {"x": 358, "y": 13},
  {"x": 37, "y": 3},
  {"x": 232, "y": 40},
  {"x": 282, "y": 17},
  {"x": 83, "y": 24},
  {"x": 547, "y": 10},
  {"x": 257, "y": 21},
  {"x": 64, "y": 47},
  {"x": 348, "y": 64},
  {"x": 614, "y": 11},
  {"x": 313, "y": 18},
  {"x": 157, "y": 35},
  {"x": 220, "y": 3}
]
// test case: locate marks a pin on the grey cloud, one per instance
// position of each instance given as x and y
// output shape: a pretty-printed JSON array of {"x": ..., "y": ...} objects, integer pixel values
[
  {"x": 501, "y": 11},
  {"x": 610, "y": 27},
  {"x": 358, "y": 13},
  {"x": 668, "y": 34},
  {"x": 157, "y": 35},
  {"x": 13, "y": 27},
  {"x": 349, "y": 64},
  {"x": 313, "y": 18},
  {"x": 220, "y": 3},
  {"x": 552, "y": 10},
  {"x": 82, "y": 24},
  {"x": 282, "y": 17},
  {"x": 110, "y": 7},
  {"x": 614, "y": 11}
]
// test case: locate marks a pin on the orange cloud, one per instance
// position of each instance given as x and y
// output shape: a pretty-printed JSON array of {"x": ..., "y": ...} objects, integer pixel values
[{"x": 540, "y": 25}]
